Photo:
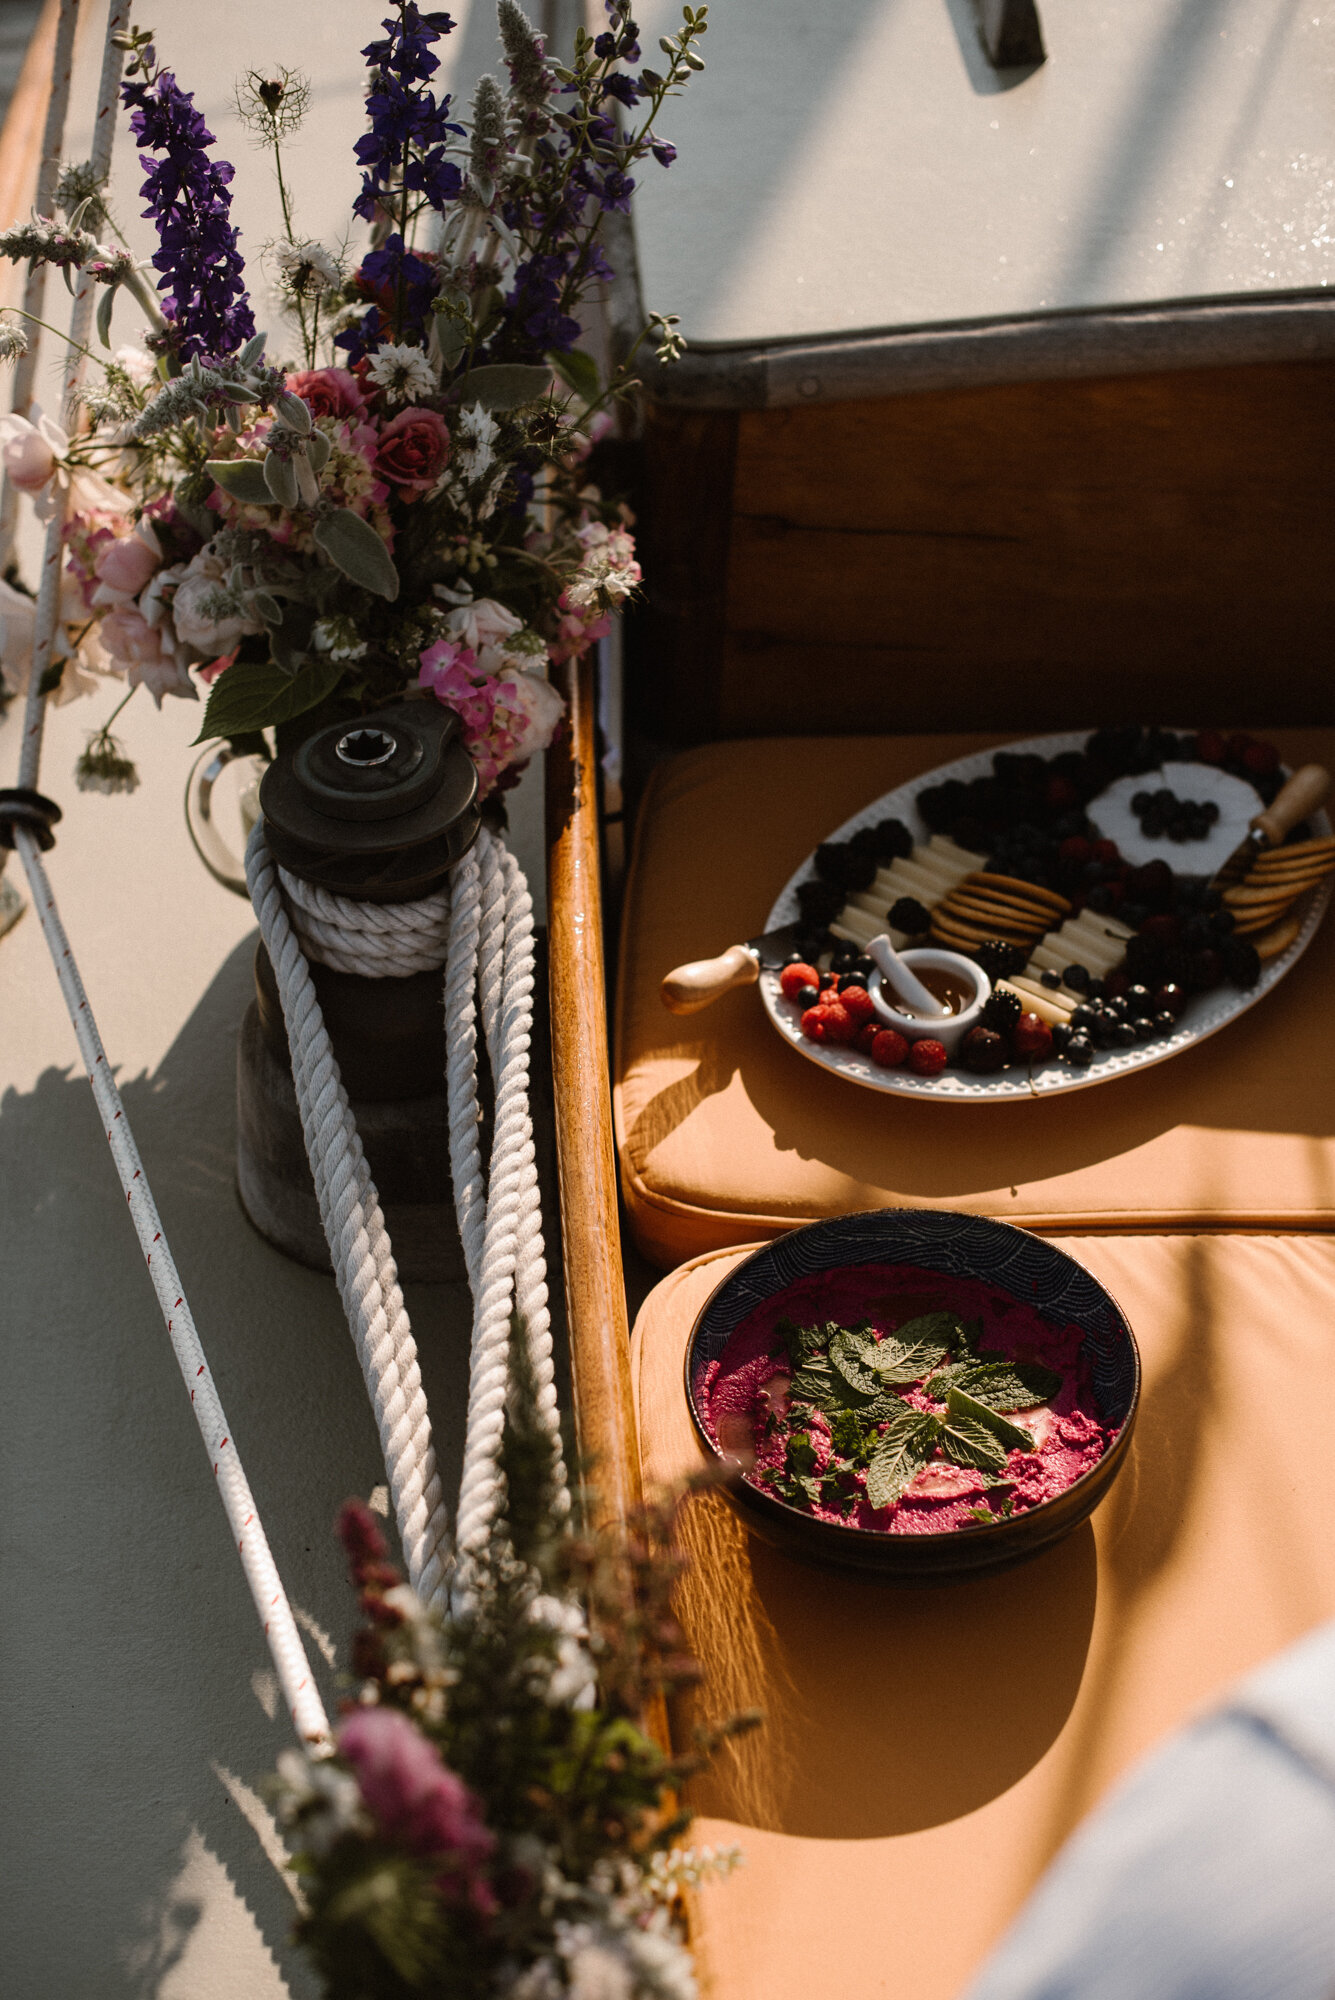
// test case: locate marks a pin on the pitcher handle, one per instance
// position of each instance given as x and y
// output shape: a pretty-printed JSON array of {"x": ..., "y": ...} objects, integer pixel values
[{"x": 224, "y": 866}]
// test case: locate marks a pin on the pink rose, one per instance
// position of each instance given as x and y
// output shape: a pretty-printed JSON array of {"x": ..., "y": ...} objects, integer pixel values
[
  {"x": 29, "y": 458},
  {"x": 146, "y": 654},
  {"x": 123, "y": 565},
  {"x": 413, "y": 452},
  {"x": 328, "y": 392}
]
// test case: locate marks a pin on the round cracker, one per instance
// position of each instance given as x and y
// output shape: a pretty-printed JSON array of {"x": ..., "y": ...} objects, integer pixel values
[
  {"x": 1278, "y": 938},
  {"x": 990, "y": 913},
  {"x": 1322, "y": 844},
  {"x": 1011, "y": 885},
  {"x": 1038, "y": 917}
]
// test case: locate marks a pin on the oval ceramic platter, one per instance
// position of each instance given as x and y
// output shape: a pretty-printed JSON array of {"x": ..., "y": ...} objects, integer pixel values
[{"x": 1204, "y": 1015}]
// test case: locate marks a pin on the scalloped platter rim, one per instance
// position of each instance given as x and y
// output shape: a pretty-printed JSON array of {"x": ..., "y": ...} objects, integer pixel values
[{"x": 1203, "y": 1016}]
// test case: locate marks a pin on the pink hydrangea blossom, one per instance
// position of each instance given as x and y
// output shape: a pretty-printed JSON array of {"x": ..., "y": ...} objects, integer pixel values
[
  {"x": 146, "y": 654},
  {"x": 507, "y": 717},
  {"x": 577, "y": 627},
  {"x": 415, "y": 1799}
]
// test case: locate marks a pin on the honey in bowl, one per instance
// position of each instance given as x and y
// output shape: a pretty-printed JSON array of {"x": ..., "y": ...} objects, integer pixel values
[{"x": 945, "y": 987}]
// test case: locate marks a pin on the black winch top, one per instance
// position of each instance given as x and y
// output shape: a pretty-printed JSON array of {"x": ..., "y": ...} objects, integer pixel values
[{"x": 378, "y": 808}]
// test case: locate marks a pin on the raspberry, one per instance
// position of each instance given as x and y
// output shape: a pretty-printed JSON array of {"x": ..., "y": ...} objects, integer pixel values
[
  {"x": 927, "y": 1058},
  {"x": 866, "y": 1036},
  {"x": 839, "y": 1025},
  {"x": 794, "y": 977},
  {"x": 1076, "y": 848},
  {"x": 1236, "y": 748},
  {"x": 1032, "y": 1037},
  {"x": 857, "y": 1002},
  {"x": 813, "y": 1024},
  {"x": 1061, "y": 794},
  {"x": 1211, "y": 746},
  {"x": 889, "y": 1049},
  {"x": 1106, "y": 850}
]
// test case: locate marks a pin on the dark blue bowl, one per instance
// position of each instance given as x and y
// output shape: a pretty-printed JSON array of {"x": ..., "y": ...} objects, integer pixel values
[{"x": 1034, "y": 1272}]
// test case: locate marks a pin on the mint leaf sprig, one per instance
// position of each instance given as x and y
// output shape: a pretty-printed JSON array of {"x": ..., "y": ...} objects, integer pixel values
[{"x": 879, "y": 1441}]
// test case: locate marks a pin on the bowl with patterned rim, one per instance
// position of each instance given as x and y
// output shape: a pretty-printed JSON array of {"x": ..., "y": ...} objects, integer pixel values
[{"x": 962, "y": 1260}]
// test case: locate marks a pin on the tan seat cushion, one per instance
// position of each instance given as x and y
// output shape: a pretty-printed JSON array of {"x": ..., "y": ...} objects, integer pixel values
[
  {"x": 927, "y": 1750},
  {"x": 726, "y": 1134}
]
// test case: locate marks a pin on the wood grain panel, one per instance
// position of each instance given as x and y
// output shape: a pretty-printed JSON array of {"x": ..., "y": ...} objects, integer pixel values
[
  {"x": 585, "y": 1155},
  {"x": 1036, "y": 555}
]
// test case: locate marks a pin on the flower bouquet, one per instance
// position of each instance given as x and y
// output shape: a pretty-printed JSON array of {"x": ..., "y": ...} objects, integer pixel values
[
  {"x": 495, "y": 1823},
  {"x": 400, "y": 499}
]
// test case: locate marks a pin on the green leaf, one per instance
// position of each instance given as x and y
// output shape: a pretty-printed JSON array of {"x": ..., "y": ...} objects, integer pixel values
[
  {"x": 977, "y": 1436},
  {"x": 851, "y": 1354},
  {"x": 905, "y": 1448},
  {"x": 798, "y": 1342},
  {"x": 280, "y": 476},
  {"x": 243, "y": 478},
  {"x": 249, "y": 695},
  {"x": 580, "y": 371},
  {"x": 1001, "y": 1385},
  {"x": 505, "y": 385},
  {"x": 353, "y": 546},
  {"x": 914, "y": 1349},
  {"x": 801, "y": 1453}
]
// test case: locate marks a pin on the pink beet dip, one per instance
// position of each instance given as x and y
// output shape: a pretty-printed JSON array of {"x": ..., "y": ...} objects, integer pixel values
[{"x": 744, "y": 1401}]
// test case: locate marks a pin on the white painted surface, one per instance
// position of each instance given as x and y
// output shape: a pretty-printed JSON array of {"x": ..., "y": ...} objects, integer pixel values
[
  {"x": 136, "y": 1701},
  {"x": 859, "y": 166}
]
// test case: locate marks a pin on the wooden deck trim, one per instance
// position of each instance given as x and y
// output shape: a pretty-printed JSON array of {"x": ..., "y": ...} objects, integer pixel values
[
  {"x": 25, "y": 121},
  {"x": 585, "y": 1153}
]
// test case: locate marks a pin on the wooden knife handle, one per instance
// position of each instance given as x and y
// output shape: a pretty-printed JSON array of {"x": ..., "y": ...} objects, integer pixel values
[
  {"x": 1304, "y": 792},
  {"x": 705, "y": 980}
]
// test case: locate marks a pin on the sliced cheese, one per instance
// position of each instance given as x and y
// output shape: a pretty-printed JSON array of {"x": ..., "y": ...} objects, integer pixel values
[
  {"x": 1039, "y": 1003},
  {"x": 957, "y": 857},
  {"x": 1033, "y": 989}
]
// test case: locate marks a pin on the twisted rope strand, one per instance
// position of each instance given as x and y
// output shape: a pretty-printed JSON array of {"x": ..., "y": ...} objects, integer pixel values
[{"x": 358, "y": 1242}]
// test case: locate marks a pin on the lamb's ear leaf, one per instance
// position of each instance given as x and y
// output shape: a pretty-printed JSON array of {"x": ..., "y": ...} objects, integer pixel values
[
  {"x": 579, "y": 371},
  {"x": 104, "y": 305},
  {"x": 353, "y": 546},
  {"x": 280, "y": 476},
  {"x": 243, "y": 478}
]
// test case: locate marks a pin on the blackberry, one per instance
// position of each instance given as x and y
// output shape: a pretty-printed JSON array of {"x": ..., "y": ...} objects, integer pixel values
[
  {"x": 819, "y": 902},
  {"x": 910, "y": 916},
  {"x": 894, "y": 842},
  {"x": 1002, "y": 1011},
  {"x": 1076, "y": 977},
  {"x": 999, "y": 959}
]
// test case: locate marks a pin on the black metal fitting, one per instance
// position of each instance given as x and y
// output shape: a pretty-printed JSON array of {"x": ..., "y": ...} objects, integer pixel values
[{"x": 21, "y": 806}]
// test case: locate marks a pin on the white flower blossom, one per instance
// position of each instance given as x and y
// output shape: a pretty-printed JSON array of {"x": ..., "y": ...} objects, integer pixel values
[
  {"x": 13, "y": 342},
  {"x": 403, "y": 372},
  {"x": 319, "y": 1798},
  {"x": 338, "y": 638},
  {"x": 476, "y": 431},
  {"x": 308, "y": 267},
  {"x": 573, "y": 1681},
  {"x": 139, "y": 366}
]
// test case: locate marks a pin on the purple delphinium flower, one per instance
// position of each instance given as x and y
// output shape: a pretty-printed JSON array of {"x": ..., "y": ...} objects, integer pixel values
[
  {"x": 400, "y": 288},
  {"x": 415, "y": 1799},
  {"x": 535, "y": 322},
  {"x": 409, "y": 129},
  {"x": 203, "y": 276}
]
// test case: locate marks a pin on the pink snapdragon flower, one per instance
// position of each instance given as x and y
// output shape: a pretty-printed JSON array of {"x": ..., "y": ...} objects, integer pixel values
[{"x": 415, "y": 1799}]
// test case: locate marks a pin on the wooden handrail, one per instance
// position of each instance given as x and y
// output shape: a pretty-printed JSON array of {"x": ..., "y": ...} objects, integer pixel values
[
  {"x": 25, "y": 119},
  {"x": 585, "y": 1154}
]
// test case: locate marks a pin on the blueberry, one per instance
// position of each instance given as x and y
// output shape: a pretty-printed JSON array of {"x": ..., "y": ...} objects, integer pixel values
[
  {"x": 1061, "y": 1037},
  {"x": 853, "y": 979},
  {"x": 1095, "y": 989},
  {"x": 1144, "y": 1027},
  {"x": 1080, "y": 1051},
  {"x": 1164, "y": 1022},
  {"x": 1139, "y": 998},
  {"x": 1084, "y": 1017},
  {"x": 1050, "y": 979},
  {"x": 1076, "y": 977},
  {"x": 864, "y": 965},
  {"x": 807, "y": 996},
  {"x": 1121, "y": 1034},
  {"x": 795, "y": 958}
]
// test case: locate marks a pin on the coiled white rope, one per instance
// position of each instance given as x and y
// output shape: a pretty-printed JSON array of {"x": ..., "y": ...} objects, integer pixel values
[
  {"x": 481, "y": 929},
  {"x": 358, "y": 1241},
  {"x": 390, "y": 941}
]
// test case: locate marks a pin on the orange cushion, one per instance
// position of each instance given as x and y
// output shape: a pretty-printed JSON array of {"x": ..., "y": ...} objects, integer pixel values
[
  {"x": 927, "y": 1750},
  {"x": 726, "y": 1134}
]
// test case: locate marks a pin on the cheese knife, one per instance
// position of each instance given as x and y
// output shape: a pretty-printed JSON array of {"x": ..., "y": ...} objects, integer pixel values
[
  {"x": 691, "y": 987},
  {"x": 1301, "y": 795}
]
